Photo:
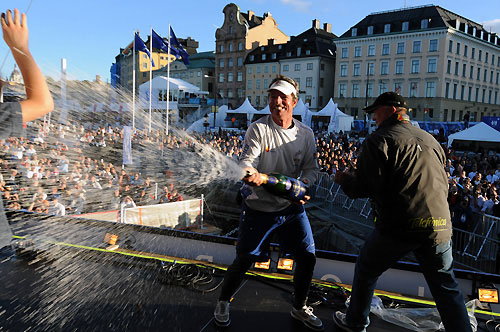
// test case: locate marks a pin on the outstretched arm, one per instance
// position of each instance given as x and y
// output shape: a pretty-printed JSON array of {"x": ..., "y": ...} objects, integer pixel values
[{"x": 15, "y": 33}]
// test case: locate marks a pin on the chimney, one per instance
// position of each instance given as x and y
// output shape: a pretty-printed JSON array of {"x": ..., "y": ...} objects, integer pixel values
[
  {"x": 270, "y": 41},
  {"x": 316, "y": 24},
  {"x": 250, "y": 15},
  {"x": 327, "y": 27}
]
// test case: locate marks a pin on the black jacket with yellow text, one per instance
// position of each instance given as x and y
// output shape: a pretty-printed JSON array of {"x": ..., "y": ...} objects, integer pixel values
[{"x": 401, "y": 169}]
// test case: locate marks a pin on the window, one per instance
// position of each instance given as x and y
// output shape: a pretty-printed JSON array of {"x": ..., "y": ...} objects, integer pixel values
[
  {"x": 466, "y": 51},
  {"x": 478, "y": 74},
  {"x": 240, "y": 46},
  {"x": 249, "y": 84},
  {"x": 454, "y": 91},
  {"x": 469, "y": 97},
  {"x": 477, "y": 95},
  {"x": 266, "y": 69},
  {"x": 483, "y": 99},
  {"x": 285, "y": 67},
  {"x": 251, "y": 57},
  {"x": 413, "y": 89},
  {"x": 257, "y": 100},
  {"x": 191, "y": 74},
  {"x": 384, "y": 68},
  {"x": 299, "y": 50},
  {"x": 273, "y": 56},
  {"x": 462, "y": 92},
  {"x": 464, "y": 70},
  {"x": 370, "y": 66},
  {"x": 322, "y": 66},
  {"x": 198, "y": 74},
  {"x": 266, "y": 83},
  {"x": 356, "y": 69},
  {"x": 230, "y": 47},
  {"x": 400, "y": 67},
  {"x": 370, "y": 30},
  {"x": 343, "y": 70},
  {"x": 415, "y": 66},
  {"x": 308, "y": 52},
  {"x": 382, "y": 87},
  {"x": 496, "y": 97},
  {"x": 456, "y": 67},
  {"x": 471, "y": 73},
  {"x": 230, "y": 62},
  {"x": 221, "y": 77},
  {"x": 385, "y": 49},
  {"x": 230, "y": 93},
  {"x": 221, "y": 63},
  {"x": 405, "y": 26},
  {"x": 144, "y": 66},
  {"x": 491, "y": 76},
  {"x": 448, "y": 67},
  {"x": 309, "y": 82},
  {"x": 345, "y": 52},
  {"x": 250, "y": 70},
  {"x": 273, "y": 69},
  {"x": 387, "y": 28},
  {"x": 297, "y": 67},
  {"x": 424, "y": 24},
  {"x": 417, "y": 46},
  {"x": 498, "y": 74},
  {"x": 433, "y": 45},
  {"x": 342, "y": 90},
  {"x": 257, "y": 69},
  {"x": 430, "y": 90},
  {"x": 458, "y": 48},
  {"x": 401, "y": 48},
  {"x": 355, "y": 90},
  {"x": 257, "y": 84},
  {"x": 309, "y": 66},
  {"x": 240, "y": 92},
  {"x": 486, "y": 56},
  {"x": 432, "y": 65},
  {"x": 357, "y": 51},
  {"x": 480, "y": 55},
  {"x": 369, "y": 90},
  {"x": 264, "y": 56},
  {"x": 371, "y": 50},
  {"x": 447, "y": 90},
  {"x": 229, "y": 77},
  {"x": 288, "y": 54},
  {"x": 398, "y": 88},
  {"x": 354, "y": 32},
  {"x": 485, "y": 75},
  {"x": 240, "y": 76},
  {"x": 230, "y": 30},
  {"x": 240, "y": 61},
  {"x": 450, "y": 46},
  {"x": 473, "y": 52}
]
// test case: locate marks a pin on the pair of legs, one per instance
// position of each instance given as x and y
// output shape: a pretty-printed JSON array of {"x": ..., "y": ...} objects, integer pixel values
[
  {"x": 295, "y": 236},
  {"x": 380, "y": 252}
]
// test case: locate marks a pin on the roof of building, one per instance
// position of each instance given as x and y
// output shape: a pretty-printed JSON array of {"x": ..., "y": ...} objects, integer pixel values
[{"x": 435, "y": 17}]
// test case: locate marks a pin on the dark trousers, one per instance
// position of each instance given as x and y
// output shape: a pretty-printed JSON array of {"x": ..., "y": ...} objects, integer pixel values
[
  {"x": 292, "y": 228},
  {"x": 380, "y": 252}
]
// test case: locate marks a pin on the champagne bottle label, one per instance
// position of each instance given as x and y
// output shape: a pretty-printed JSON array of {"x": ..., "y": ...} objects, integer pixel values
[{"x": 272, "y": 180}]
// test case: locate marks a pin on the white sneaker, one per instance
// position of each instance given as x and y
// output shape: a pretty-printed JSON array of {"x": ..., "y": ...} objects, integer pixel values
[
  {"x": 306, "y": 316},
  {"x": 221, "y": 313}
]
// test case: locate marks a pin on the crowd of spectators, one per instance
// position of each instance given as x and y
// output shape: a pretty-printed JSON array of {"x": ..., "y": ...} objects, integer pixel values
[{"x": 58, "y": 171}]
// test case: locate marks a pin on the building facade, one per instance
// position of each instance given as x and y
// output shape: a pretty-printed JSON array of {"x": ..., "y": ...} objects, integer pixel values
[
  {"x": 443, "y": 63},
  {"x": 308, "y": 58},
  {"x": 239, "y": 34}
]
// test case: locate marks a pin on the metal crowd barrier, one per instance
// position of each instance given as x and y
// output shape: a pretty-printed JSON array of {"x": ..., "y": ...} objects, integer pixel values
[{"x": 475, "y": 249}]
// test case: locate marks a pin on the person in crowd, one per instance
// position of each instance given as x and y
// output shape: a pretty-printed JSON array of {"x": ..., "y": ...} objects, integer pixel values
[
  {"x": 38, "y": 98},
  {"x": 401, "y": 169},
  {"x": 263, "y": 213}
]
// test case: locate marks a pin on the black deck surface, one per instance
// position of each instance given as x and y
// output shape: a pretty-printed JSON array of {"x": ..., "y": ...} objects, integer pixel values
[{"x": 82, "y": 291}]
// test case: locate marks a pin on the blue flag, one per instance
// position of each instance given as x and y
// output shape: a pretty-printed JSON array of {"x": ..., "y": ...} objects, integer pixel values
[
  {"x": 140, "y": 46},
  {"x": 162, "y": 44},
  {"x": 175, "y": 44}
]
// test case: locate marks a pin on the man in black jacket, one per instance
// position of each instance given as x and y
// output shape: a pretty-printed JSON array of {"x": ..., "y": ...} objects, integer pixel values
[{"x": 401, "y": 169}]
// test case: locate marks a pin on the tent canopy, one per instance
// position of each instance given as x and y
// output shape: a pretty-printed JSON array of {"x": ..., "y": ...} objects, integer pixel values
[
  {"x": 479, "y": 133},
  {"x": 246, "y": 107}
]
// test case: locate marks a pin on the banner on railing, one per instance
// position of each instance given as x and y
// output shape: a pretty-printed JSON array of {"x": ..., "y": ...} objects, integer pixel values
[{"x": 177, "y": 215}]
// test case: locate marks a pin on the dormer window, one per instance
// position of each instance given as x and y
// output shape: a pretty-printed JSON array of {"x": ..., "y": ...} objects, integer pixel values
[
  {"x": 251, "y": 57},
  {"x": 308, "y": 52},
  {"x": 387, "y": 28},
  {"x": 288, "y": 53},
  {"x": 305, "y": 40},
  {"x": 370, "y": 30},
  {"x": 406, "y": 25},
  {"x": 354, "y": 32},
  {"x": 298, "y": 51},
  {"x": 424, "y": 24},
  {"x": 264, "y": 56},
  {"x": 262, "y": 48}
]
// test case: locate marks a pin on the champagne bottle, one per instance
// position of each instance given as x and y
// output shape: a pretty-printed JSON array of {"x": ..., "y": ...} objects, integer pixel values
[{"x": 284, "y": 186}]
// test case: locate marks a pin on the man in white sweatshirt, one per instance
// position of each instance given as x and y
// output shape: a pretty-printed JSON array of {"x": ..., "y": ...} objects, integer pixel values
[{"x": 275, "y": 143}]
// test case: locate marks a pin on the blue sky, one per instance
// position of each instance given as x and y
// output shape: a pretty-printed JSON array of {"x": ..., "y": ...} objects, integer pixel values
[{"x": 89, "y": 33}]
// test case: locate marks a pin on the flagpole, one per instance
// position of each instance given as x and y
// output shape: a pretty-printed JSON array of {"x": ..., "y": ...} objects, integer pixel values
[
  {"x": 168, "y": 80},
  {"x": 133, "y": 86},
  {"x": 150, "y": 74}
]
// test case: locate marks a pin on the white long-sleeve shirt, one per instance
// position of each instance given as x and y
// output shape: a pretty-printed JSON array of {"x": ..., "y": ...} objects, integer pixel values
[{"x": 270, "y": 148}]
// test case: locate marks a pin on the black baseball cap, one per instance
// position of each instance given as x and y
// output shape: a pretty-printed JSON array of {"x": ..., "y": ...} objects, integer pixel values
[{"x": 387, "y": 99}]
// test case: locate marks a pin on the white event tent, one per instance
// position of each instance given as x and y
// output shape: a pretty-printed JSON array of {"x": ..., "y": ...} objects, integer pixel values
[
  {"x": 480, "y": 135},
  {"x": 332, "y": 118}
]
